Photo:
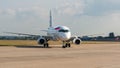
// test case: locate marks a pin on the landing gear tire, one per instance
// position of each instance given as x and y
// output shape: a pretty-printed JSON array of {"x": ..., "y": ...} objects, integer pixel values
[
  {"x": 46, "y": 45},
  {"x": 63, "y": 46},
  {"x": 66, "y": 45}
]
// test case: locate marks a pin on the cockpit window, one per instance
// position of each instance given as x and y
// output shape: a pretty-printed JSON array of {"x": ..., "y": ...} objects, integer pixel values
[{"x": 63, "y": 30}]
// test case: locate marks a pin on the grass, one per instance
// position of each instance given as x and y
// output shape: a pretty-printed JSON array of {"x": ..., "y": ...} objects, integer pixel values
[
  {"x": 17, "y": 42},
  {"x": 100, "y": 42},
  {"x": 34, "y": 42}
]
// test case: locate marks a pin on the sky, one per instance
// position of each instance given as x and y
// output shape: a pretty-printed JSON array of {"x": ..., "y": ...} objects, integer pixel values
[{"x": 83, "y": 17}]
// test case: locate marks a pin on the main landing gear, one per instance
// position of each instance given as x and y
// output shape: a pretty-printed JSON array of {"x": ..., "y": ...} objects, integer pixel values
[
  {"x": 66, "y": 45},
  {"x": 46, "y": 45}
]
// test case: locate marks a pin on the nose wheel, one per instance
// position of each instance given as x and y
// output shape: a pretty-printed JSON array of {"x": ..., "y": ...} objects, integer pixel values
[{"x": 66, "y": 45}]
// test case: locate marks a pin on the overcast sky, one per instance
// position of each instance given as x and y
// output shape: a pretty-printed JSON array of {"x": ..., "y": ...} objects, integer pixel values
[{"x": 84, "y": 17}]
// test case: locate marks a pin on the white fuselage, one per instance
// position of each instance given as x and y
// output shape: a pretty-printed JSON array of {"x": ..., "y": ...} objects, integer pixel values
[{"x": 59, "y": 33}]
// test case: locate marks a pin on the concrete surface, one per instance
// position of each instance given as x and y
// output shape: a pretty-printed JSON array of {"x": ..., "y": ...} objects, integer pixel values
[{"x": 83, "y": 56}]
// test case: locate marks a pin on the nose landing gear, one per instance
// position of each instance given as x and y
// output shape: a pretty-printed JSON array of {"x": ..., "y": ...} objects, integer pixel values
[{"x": 66, "y": 45}]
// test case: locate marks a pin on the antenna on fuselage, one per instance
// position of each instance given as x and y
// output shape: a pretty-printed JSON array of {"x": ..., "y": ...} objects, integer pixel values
[{"x": 50, "y": 19}]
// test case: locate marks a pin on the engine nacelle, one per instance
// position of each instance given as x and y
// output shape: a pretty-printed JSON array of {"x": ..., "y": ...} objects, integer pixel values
[
  {"x": 41, "y": 40},
  {"x": 76, "y": 41}
]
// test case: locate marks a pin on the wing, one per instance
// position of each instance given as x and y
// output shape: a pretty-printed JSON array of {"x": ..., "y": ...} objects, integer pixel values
[
  {"x": 21, "y": 34},
  {"x": 47, "y": 37},
  {"x": 72, "y": 38}
]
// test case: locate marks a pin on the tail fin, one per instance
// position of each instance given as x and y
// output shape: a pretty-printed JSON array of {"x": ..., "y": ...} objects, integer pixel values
[{"x": 50, "y": 19}]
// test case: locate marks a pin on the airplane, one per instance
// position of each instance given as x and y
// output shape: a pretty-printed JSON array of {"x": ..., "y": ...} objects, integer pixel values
[{"x": 57, "y": 33}]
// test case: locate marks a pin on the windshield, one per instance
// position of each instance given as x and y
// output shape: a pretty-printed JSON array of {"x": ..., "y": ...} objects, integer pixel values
[{"x": 63, "y": 30}]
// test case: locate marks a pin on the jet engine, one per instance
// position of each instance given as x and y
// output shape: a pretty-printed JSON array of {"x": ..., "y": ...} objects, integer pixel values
[
  {"x": 76, "y": 41},
  {"x": 42, "y": 40}
]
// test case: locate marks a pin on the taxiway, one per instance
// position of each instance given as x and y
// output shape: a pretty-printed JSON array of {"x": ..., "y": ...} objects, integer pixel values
[{"x": 83, "y": 56}]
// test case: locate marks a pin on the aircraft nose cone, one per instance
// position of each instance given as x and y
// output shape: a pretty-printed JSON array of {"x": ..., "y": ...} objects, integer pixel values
[{"x": 65, "y": 37}]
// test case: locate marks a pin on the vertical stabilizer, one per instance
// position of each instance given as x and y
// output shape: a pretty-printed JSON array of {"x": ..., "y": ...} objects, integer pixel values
[{"x": 50, "y": 19}]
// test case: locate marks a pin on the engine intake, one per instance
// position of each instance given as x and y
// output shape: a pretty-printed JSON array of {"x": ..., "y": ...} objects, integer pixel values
[
  {"x": 77, "y": 41},
  {"x": 41, "y": 40}
]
